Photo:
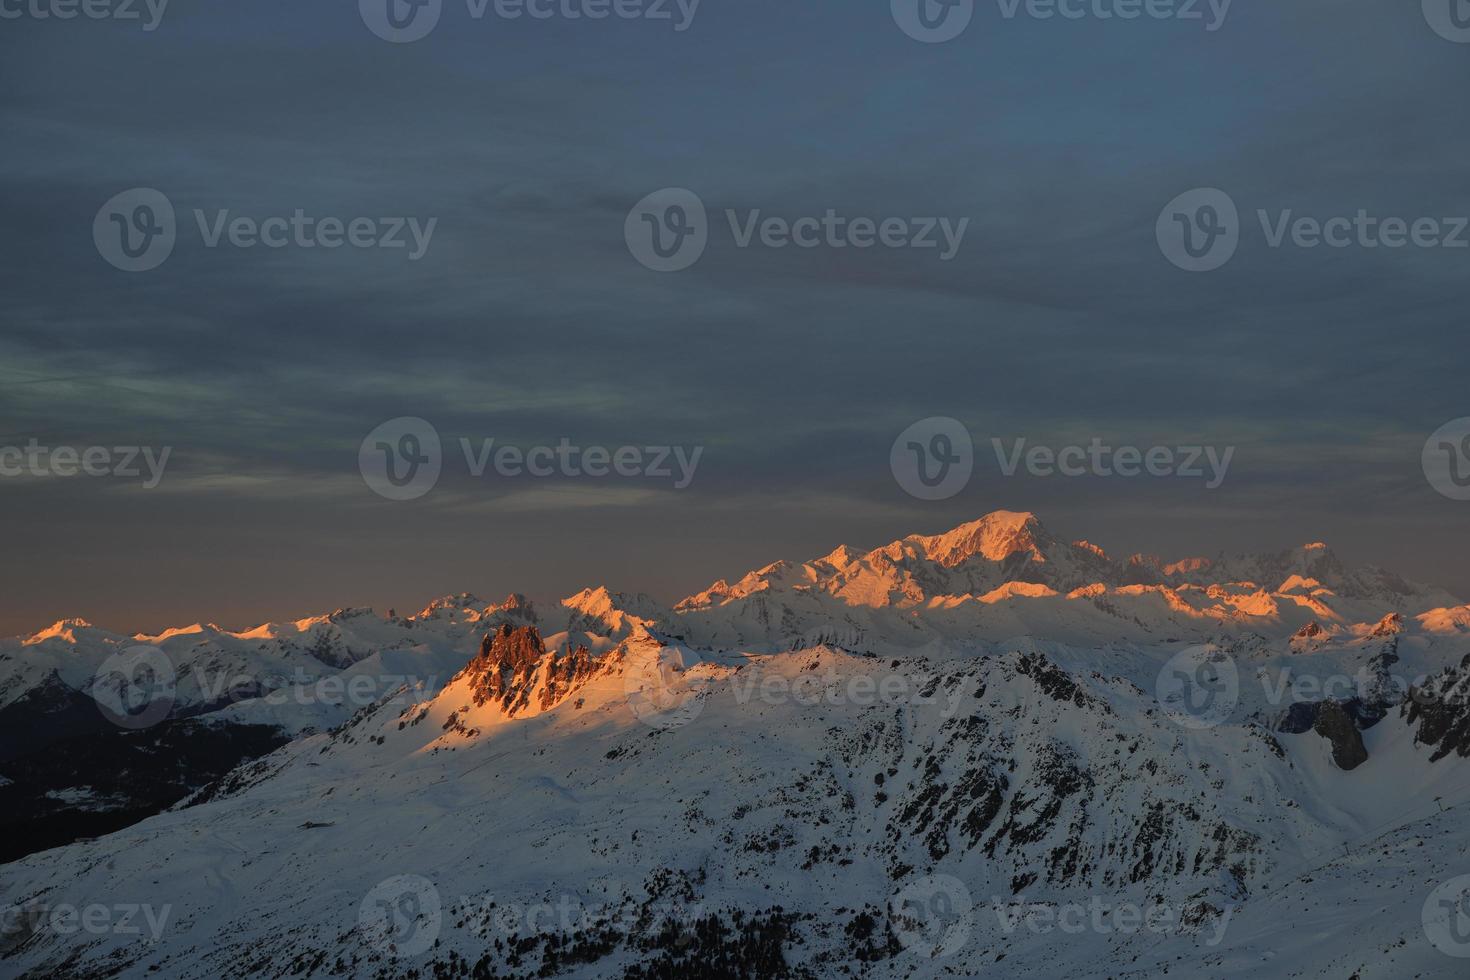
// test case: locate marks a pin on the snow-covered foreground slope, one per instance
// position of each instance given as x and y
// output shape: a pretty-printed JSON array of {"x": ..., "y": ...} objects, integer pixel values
[
  {"x": 100, "y": 729},
  {"x": 831, "y": 812},
  {"x": 876, "y": 769}
]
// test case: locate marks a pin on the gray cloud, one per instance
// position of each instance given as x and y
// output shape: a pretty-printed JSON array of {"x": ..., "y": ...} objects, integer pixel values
[{"x": 528, "y": 320}]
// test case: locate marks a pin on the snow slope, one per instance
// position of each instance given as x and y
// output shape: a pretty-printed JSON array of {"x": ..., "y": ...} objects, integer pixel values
[{"x": 945, "y": 757}]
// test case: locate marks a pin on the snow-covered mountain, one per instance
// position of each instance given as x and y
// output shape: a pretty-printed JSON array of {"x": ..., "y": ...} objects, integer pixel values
[
  {"x": 201, "y": 696},
  {"x": 1005, "y": 575},
  {"x": 983, "y": 752}
]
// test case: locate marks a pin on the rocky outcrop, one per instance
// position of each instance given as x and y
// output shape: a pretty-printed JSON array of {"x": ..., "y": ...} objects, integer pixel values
[
  {"x": 1309, "y": 638},
  {"x": 1335, "y": 724},
  {"x": 514, "y": 670},
  {"x": 1441, "y": 709},
  {"x": 515, "y": 609}
]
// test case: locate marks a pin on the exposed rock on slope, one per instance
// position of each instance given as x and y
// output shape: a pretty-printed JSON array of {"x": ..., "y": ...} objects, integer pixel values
[
  {"x": 1441, "y": 709},
  {"x": 1341, "y": 729},
  {"x": 513, "y": 665}
]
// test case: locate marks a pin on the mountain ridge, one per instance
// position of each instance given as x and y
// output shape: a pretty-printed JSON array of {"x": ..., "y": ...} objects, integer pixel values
[{"x": 803, "y": 757}]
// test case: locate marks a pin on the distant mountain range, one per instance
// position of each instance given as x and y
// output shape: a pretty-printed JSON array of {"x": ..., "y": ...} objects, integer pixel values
[{"x": 879, "y": 763}]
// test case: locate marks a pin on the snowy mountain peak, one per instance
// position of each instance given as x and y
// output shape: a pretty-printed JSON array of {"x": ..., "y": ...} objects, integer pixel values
[
  {"x": 984, "y": 708},
  {"x": 840, "y": 557},
  {"x": 63, "y": 629},
  {"x": 462, "y": 600},
  {"x": 1390, "y": 625},
  {"x": 515, "y": 674},
  {"x": 1007, "y": 575},
  {"x": 995, "y": 537}
]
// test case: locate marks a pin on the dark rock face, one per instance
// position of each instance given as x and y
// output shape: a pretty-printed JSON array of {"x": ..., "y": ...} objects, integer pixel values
[
  {"x": 1378, "y": 695},
  {"x": 1309, "y": 632},
  {"x": 1302, "y": 716},
  {"x": 517, "y": 609},
  {"x": 1299, "y": 717},
  {"x": 1380, "y": 692},
  {"x": 326, "y": 646},
  {"x": 1441, "y": 709},
  {"x": 49, "y": 712},
  {"x": 1335, "y": 724},
  {"x": 115, "y": 774},
  {"x": 506, "y": 668}
]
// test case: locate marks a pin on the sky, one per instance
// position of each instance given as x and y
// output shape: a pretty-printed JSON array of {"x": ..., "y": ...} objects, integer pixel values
[{"x": 529, "y": 319}]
